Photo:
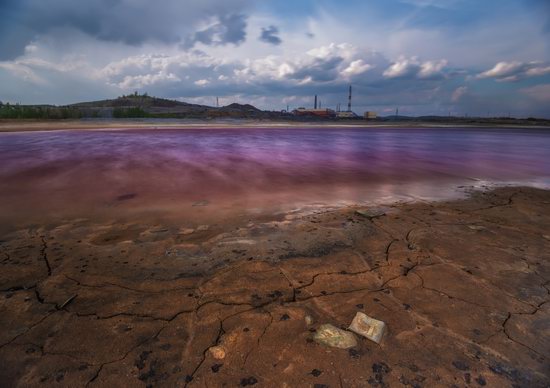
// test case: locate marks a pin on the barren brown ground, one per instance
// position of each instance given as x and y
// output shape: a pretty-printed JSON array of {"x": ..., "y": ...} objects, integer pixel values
[{"x": 463, "y": 287}]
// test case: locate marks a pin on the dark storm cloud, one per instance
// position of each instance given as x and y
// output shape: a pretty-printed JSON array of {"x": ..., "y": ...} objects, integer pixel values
[
  {"x": 127, "y": 21},
  {"x": 228, "y": 29},
  {"x": 271, "y": 35}
]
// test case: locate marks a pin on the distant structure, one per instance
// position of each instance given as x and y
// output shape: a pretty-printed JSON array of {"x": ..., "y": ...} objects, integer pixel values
[
  {"x": 349, "y": 114},
  {"x": 369, "y": 115},
  {"x": 315, "y": 104}
]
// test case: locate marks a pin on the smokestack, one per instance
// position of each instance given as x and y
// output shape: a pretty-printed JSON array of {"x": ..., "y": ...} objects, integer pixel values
[
  {"x": 349, "y": 100},
  {"x": 315, "y": 105}
]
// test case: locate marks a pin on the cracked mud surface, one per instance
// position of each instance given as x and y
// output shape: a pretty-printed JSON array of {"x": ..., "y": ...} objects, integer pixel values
[{"x": 463, "y": 287}]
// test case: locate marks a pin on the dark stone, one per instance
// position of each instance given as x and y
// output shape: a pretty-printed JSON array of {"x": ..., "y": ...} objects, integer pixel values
[
  {"x": 406, "y": 306},
  {"x": 165, "y": 346},
  {"x": 216, "y": 368},
  {"x": 408, "y": 382},
  {"x": 481, "y": 381},
  {"x": 320, "y": 386},
  {"x": 188, "y": 378},
  {"x": 354, "y": 353},
  {"x": 140, "y": 363},
  {"x": 380, "y": 371},
  {"x": 316, "y": 372},
  {"x": 275, "y": 294},
  {"x": 248, "y": 381},
  {"x": 460, "y": 365},
  {"x": 359, "y": 306},
  {"x": 467, "y": 378},
  {"x": 381, "y": 368},
  {"x": 504, "y": 370},
  {"x": 285, "y": 317}
]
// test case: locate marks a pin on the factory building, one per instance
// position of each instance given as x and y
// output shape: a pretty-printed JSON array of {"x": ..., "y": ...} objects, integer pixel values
[
  {"x": 349, "y": 114},
  {"x": 370, "y": 115},
  {"x": 346, "y": 115},
  {"x": 316, "y": 111},
  {"x": 325, "y": 113}
]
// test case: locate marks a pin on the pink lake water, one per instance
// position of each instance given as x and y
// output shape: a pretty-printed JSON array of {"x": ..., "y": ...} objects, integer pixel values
[{"x": 214, "y": 172}]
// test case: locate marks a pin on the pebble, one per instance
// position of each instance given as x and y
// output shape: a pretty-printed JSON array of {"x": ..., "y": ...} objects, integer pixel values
[
  {"x": 332, "y": 336},
  {"x": 218, "y": 352}
]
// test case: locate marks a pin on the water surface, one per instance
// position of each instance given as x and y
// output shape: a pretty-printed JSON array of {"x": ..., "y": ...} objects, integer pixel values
[{"x": 211, "y": 172}]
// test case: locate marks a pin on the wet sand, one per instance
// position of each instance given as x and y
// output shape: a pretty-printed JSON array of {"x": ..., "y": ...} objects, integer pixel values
[{"x": 463, "y": 287}]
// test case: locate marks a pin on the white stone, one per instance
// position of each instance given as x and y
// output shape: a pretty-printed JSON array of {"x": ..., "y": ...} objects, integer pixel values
[{"x": 368, "y": 327}]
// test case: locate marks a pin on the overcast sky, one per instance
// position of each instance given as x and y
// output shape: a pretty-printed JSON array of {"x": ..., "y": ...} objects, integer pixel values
[{"x": 476, "y": 57}]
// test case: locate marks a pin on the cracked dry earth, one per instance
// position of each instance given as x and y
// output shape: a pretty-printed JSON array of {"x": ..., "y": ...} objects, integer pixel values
[{"x": 463, "y": 287}]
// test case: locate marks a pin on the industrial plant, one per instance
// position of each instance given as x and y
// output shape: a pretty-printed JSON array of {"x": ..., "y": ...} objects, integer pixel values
[{"x": 317, "y": 111}]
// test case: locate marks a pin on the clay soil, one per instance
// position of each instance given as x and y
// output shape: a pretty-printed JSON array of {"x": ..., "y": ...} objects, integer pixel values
[{"x": 463, "y": 287}]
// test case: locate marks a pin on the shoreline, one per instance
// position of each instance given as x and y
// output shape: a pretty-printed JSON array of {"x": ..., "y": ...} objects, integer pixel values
[
  {"x": 463, "y": 286},
  {"x": 7, "y": 126}
]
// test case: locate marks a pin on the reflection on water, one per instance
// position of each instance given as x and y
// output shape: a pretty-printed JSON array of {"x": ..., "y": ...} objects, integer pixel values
[{"x": 87, "y": 171}]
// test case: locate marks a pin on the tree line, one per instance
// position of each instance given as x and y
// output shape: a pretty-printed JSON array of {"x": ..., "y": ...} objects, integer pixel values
[{"x": 16, "y": 111}]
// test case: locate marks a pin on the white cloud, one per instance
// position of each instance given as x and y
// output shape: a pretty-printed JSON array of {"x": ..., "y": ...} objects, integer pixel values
[
  {"x": 356, "y": 67},
  {"x": 413, "y": 67},
  {"x": 202, "y": 82},
  {"x": 23, "y": 72},
  {"x": 459, "y": 93},
  {"x": 431, "y": 69},
  {"x": 514, "y": 71}
]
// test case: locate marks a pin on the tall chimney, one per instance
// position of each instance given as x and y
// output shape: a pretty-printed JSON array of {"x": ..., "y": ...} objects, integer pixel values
[
  {"x": 315, "y": 105},
  {"x": 349, "y": 100}
]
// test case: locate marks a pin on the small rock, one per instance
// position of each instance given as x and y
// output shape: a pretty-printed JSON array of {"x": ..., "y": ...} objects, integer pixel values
[
  {"x": 309, "y": 320},
  {"x": 285, "y": 317},
  {"x": 546, "y": 237},
  {"x": 248, "y": 381},
  {"x": 481, "y": 381},
  {"x": 353, "y": 353},
  {"x": 330, "y": 335},
  {"x": 218, "y": 352},
  {"x": 203, "y": 228},
  {"x": 371, "y": 213},
  {"x": 460, "y": 365},
  {"x": 187, "y": 231},
  {"x": 316, "y": 372},
  {"x": 368, "y": 327}
]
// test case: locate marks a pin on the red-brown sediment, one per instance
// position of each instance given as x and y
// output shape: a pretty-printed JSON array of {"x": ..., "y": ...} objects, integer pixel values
[{"x": 463, "y": 287}]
